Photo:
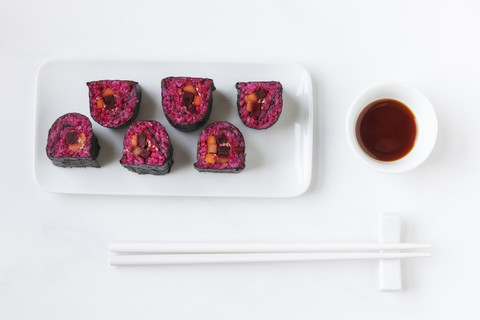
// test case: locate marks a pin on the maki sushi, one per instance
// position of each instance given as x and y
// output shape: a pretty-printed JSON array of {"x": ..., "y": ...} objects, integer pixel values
[
  {"x": 220, "y": 148},
  {"x": 72, "y": 143},
  {"x": 187, "y": 102},
  {"x": 114, "y": 103},
  {"x": 259, "y": 103},
  {"x": 147, "y": 149}
]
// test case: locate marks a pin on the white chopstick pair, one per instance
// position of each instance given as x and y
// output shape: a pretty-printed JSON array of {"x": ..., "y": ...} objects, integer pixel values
[{"x": 157, "y": 253}]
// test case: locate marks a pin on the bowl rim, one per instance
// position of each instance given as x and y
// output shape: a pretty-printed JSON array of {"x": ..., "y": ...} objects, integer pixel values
[{"x": 426, "y": 121}]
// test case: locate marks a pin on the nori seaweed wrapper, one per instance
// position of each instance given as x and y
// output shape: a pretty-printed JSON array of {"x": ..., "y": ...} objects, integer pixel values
[
  {"x": 114, "y": 103},
  {"x": 72, "y": 143},
  {"x": 259, "y": 103},
  {"x": 147, "y": 148},
  {"x": 187, "y": 102},
  {"x": 220, "y": 148}
]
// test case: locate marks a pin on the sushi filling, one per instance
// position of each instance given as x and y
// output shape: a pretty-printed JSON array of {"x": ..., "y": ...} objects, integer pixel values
[
  {"x": 187, "y": 102},
  {"x": 108, "y": 100},
  {"x": 255, "y": 102},
  {"x": 70, "y": 137},
  {"x": 75, "y": 141},
  {"x": 220, "y": 148},
  {"x": 71, "y": 142},
  {"x": 259, "y": 103},
  {"x": 113, "y": 103},
  {"x": 191, "y": 98},
  {"x": 141, "y": 145},
  {"x": 146, "y": 143}
]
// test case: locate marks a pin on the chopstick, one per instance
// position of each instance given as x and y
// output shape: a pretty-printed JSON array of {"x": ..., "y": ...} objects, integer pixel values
[
  {"x": 161, "y": 253},
  {"x": 179, "y": 247},
  {"x": 205, "y": 258}
]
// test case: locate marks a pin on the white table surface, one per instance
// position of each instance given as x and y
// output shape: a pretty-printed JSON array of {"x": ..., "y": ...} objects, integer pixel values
[{"x": 54, "y": 247}]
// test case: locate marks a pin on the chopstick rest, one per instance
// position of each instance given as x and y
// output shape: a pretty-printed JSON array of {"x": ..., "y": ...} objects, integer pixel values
[{"x": 389, "y": 271}]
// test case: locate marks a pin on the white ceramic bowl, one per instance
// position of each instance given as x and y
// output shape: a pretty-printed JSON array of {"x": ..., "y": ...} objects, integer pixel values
[{"x": 426, "y": 122}]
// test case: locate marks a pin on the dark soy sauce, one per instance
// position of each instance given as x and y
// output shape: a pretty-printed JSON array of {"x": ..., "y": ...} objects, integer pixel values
[{"x": 386, "y": 130}]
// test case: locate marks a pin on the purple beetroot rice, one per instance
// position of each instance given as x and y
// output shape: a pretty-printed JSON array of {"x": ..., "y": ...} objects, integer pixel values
[
  {"x": 259, "y": 103},
  {"x": 147, "y": 149},
  {"x": 220, "y": 148},
  {"x": 114, "y": 103},
  {"x": 187, "y": 102},
  {"x": 72, "y": 143}
]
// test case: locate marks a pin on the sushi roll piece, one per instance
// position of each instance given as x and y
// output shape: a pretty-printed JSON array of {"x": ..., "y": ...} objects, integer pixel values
[
  {"x": 147, "y": 149},
  {"x": 72, "y": 143},
  {"x": 259, "y": 103},
  {"x": 187, "y": 102},
  {"x": 114, "y": 103},
  {"x": 220, "y": 148}
]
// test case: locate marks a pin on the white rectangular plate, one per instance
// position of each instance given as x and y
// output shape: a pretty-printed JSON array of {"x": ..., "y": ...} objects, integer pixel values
[{"x": 278, "y": 162}]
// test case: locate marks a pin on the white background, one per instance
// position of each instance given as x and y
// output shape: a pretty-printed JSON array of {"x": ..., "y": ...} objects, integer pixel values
[{"x": 54, "y": 247}]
